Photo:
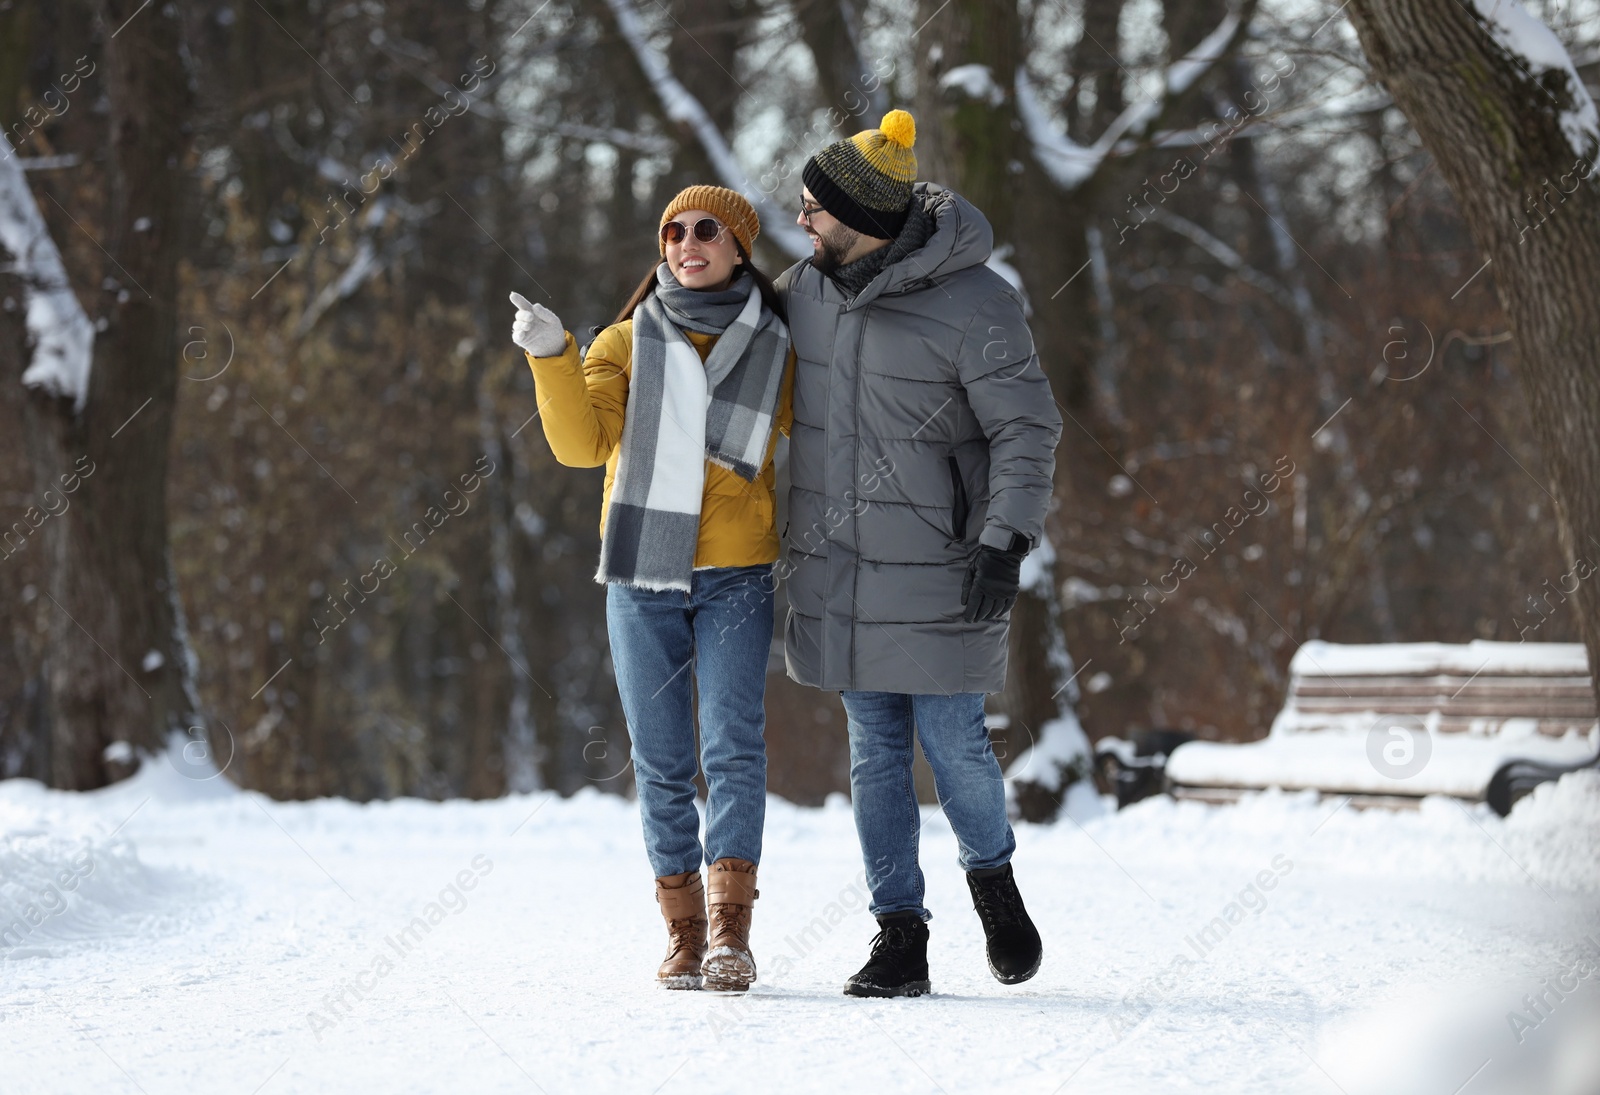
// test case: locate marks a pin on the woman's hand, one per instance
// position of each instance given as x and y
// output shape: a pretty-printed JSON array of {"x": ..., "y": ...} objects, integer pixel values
[{"x": 536, "y": 328}]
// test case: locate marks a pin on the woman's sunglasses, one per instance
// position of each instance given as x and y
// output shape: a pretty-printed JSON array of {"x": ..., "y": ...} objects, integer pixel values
[{"x": 706, "y": 230}]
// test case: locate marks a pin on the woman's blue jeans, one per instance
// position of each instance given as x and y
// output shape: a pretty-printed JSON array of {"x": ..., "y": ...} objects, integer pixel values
[
  {"x": 715, "y": 637},
  {"x": 965, "y": 774}
]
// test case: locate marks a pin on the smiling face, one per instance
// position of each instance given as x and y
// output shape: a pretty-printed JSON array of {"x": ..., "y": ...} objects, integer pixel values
[
  {"x": 700, "y": 265},
  {"x": 833, "y": 243}
]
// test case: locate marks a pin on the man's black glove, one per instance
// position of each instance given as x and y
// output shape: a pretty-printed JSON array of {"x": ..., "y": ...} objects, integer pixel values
[{"x": 990, "y": 587}]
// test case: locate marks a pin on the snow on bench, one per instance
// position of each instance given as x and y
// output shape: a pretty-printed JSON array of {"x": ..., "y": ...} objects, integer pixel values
[{"x": 1404, "y": 720}]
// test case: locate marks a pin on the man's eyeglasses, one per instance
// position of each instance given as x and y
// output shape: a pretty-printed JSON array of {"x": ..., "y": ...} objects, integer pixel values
[
  {"x": 808, "y": 211},
  {"x": 706, "y": 230}
]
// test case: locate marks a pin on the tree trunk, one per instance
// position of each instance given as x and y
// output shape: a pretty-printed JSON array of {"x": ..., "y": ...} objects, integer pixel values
[
  {"x": 1533, "y": 205},
  {"x": 969, "y": 142},
  {"x": 1094, "y": 63},
  {"x": 977, "y": 146},
  {"x": 846, "y": 81},
  {"x": 705, "y": 55},
  {"x": 974, "y": 144},
  {"x": 690, "y": 163},
  {"x": 117, "y": 668}
]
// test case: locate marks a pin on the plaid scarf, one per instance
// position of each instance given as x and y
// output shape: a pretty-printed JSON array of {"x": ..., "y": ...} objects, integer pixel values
[{"x": 681, "y": 413}]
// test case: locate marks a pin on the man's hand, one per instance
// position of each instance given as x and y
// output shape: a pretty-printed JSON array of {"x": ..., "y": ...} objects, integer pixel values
[
  {"x": 990, "y": 587},
  {"x": 536, "y": 328}
]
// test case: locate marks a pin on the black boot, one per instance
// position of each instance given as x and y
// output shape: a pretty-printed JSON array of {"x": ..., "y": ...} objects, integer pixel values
[
  {"x": 1014, "y": 947},
  {"x": 899, "y": 962}
]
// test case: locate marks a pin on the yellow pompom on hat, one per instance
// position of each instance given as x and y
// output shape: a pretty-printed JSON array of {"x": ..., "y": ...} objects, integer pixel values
[
  {"x": 728, "y": 206},
  {"x": 865, "y": 180},
  {"x": 888, "y": 148}
]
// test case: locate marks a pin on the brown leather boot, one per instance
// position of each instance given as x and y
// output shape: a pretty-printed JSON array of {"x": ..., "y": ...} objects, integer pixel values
[
  {"x": 729, "y": 966},
  {"x": 682, "y": 898}
]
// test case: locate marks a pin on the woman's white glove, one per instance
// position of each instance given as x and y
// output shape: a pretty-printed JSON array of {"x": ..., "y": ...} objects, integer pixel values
[{"x": 536, "y": 329}]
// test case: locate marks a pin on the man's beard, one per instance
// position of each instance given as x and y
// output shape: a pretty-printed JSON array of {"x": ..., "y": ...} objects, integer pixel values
[{"x": 835, "y": 246}]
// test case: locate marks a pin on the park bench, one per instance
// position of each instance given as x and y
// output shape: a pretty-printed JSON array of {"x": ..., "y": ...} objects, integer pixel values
[{"x": 1389, "y": 724}]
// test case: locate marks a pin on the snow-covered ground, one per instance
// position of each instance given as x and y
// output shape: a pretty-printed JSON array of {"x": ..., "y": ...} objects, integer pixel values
[{"x": 168, "y": 935}]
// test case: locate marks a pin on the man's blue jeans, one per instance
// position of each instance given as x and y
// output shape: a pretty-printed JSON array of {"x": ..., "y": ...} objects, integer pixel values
[
  {"x": 716, "y": 636},
  {"x": 965, "y": 775}
]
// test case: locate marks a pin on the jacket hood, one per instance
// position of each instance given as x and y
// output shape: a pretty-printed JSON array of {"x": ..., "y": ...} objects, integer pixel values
[{"x": 961, "y": 238}]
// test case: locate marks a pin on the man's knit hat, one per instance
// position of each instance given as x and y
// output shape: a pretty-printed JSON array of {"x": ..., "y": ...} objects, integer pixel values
[
  {"x": 728, "y": 206},
  {"x": 865, "y": 180}
]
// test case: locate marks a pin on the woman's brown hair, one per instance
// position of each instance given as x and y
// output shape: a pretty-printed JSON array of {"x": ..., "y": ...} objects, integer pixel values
[{"x": 769, "y": 293}]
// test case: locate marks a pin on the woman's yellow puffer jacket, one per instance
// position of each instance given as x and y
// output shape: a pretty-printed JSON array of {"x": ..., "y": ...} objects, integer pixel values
[{"x": 582, "y": 403}]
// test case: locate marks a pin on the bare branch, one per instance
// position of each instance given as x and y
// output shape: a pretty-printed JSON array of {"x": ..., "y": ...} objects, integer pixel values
[
  {"x": 682, "y": 108},
  {"x": 1226, "y": 255},
  {"x": 1070, "y": 164}
]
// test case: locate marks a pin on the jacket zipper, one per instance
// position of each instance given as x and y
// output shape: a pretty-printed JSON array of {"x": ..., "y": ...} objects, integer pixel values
[{"x": 861, "y": 337}]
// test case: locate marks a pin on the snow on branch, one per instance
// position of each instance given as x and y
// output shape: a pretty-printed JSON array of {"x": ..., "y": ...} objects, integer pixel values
[
  {"x": 63, "y": 337},
  {"x": 1070, "y": 164},
  {"x": 363, "y": 268},
  {"x": 1183, "y": 72},
  {"x": 1067, "y": 162},
  {"x": 1535, "y": 49},
  {"x": 681, "y": 106},
  {"x": 975, "y": 82}
]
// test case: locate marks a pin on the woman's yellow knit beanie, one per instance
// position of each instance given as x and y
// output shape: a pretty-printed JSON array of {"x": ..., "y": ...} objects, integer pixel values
[
  {"x": 865, "y": 180},
  {"x": 728, "y": 206}
]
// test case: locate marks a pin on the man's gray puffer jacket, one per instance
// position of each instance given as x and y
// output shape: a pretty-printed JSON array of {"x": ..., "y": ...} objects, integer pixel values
[{"x": 923, "y": 426}]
